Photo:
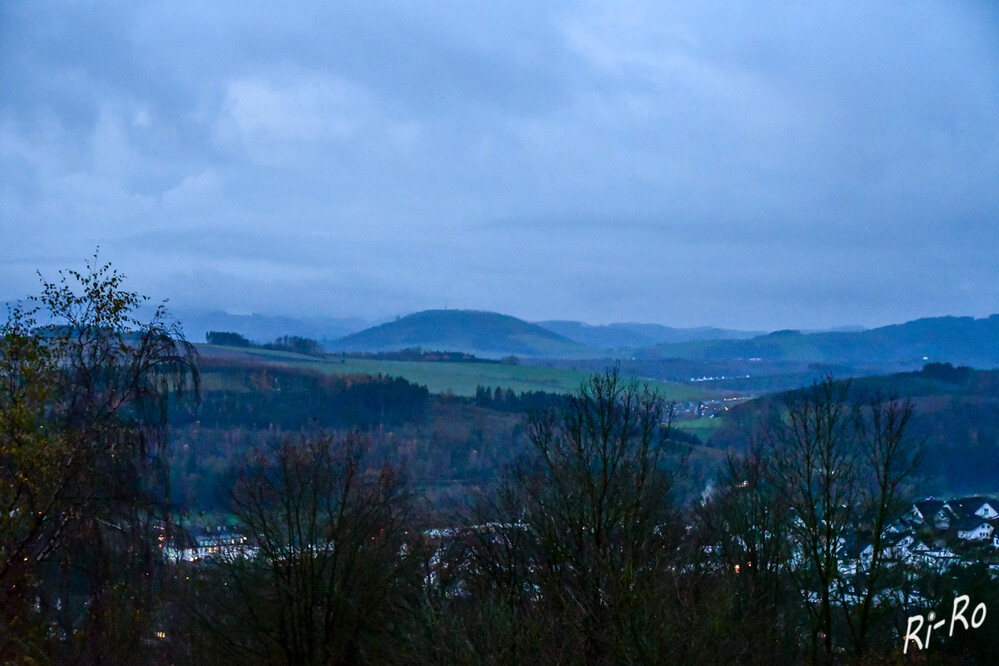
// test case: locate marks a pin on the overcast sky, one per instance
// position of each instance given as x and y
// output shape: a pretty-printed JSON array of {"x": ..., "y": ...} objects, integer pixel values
[{"x": 751, "y": 165}]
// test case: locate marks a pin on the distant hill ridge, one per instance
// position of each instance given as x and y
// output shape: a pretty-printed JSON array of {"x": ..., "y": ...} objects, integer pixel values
[
  {"x": 266, "y": 328},
  {"x": 635, "y": 335},
  {"x": 958, "y": 340},
  {"x": 486, "y": 334}
]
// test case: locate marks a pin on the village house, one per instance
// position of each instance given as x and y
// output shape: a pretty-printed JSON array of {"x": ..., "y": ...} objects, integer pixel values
[
  {"x": 210, "y": 545},
  {"x": 983, "y": 507},
  {"x": 932, "y": 512},
  {"x": 974, "y": 528}
]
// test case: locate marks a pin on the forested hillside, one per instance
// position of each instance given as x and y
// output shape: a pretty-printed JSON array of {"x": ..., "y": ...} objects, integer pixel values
[{"x": 956, "y": 421}]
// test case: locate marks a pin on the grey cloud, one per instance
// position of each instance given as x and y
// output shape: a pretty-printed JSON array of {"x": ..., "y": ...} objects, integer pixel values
[{"x": 733, "y": 165}]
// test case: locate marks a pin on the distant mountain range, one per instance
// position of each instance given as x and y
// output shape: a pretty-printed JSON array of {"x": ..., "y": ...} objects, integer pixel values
[{"x": 957, "y": 340}]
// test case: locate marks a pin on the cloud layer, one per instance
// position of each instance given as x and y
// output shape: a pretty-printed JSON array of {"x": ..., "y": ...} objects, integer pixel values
[{"x": 787, "y": 165}]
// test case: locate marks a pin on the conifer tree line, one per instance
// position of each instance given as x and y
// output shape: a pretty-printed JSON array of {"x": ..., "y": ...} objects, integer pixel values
[{"x": 598, "y": 547}]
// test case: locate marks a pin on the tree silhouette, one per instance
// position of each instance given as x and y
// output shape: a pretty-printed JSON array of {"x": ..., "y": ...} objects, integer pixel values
[
  {"x": 325, "y": 577},
  {"x": 597, "y": 499},
  {"x": 84, "y": 387}
]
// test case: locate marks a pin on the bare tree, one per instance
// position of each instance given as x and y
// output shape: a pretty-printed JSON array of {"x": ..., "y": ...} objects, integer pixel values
[
  {"x": 744, "y": 530},
  {"x": 817, "y": 467},
  {"x": 890, "y": 458},
  {"x": 325, "y": 580},
  {"x": 843, "y": 469},
  {"x": 598, "y": 499},
  {"x": 486, "y": 575}
]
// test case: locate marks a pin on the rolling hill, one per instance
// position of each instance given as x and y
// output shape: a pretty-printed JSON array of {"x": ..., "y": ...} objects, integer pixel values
[{"x": 484, "y": 334}]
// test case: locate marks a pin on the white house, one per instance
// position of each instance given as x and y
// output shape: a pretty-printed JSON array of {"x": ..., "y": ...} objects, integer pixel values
[{"x": 974, "y": 529}]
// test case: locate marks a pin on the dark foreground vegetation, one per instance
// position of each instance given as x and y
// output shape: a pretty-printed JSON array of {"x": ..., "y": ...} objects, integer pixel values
[{"x": 582, "y": 533}]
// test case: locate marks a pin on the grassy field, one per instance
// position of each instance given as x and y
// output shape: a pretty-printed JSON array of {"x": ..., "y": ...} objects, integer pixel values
[
  {"x": 702, "y": 427},
  {"x": 456, "y": 378}
]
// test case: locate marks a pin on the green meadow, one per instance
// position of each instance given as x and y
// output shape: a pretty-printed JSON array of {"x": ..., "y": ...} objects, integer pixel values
[
  {"x": 442, "y": 377},
  {"x": 703, "y": 427}
]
